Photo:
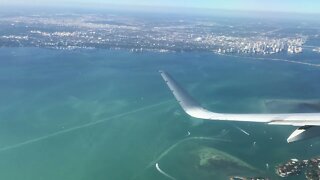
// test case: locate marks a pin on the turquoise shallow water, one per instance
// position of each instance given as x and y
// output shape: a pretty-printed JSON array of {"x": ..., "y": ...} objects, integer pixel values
[{"x": 104, "y": 114}]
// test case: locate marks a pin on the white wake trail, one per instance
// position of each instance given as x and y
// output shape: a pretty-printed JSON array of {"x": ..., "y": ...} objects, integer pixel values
[
  {"x": 164, "y": 153},
  {"x": 242, "y": 130},
  {"x": 78, "y": 127},
  {"x": 164, "y": 173},
  {"x": 170, "y": 148},
  {"x": 272, "y": 59}
]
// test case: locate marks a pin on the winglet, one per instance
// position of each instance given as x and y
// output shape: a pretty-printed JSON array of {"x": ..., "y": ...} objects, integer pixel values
[
  {"x": 188, "y": 104},
  {"x": 184, "y": 99}
]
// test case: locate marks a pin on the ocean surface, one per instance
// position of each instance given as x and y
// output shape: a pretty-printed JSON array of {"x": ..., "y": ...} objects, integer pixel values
[{"x": 107, "y": 114}]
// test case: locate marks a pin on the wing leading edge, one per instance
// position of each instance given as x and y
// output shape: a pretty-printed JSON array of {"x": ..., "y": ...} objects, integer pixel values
[{"x": 194, "y": 109}]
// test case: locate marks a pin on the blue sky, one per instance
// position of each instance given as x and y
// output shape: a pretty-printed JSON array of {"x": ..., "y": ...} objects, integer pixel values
[{"x": 301, "y": 6}]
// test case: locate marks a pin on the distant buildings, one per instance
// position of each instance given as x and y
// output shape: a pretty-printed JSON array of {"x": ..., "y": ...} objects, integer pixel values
[
  {"x": 136, "y": 35},
  {"x": 260, "y": 45}
]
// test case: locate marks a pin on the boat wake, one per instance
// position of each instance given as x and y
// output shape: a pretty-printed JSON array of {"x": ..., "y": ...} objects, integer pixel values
[
  {"x": 21, "y": 144},
  {"x": 164, "y": 173},
  {"x": 272, "y": 59}
]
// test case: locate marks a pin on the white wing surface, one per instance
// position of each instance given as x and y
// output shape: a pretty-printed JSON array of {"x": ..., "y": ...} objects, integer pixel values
[{"x": 194, "y": 109}]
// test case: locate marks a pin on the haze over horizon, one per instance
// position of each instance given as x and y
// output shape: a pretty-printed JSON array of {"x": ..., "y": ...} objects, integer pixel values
[{"x": 292, "y": 6}]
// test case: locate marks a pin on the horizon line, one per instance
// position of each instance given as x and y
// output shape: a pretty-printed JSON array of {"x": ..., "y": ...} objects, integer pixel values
[{"x": 181, "y": 9}]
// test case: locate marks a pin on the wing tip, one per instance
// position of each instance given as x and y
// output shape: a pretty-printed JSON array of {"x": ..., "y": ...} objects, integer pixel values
[{"x": 161, "y": 72}]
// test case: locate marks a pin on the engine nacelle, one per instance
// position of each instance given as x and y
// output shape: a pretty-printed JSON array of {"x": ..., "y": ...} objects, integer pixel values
[{"x": 305, "y": 132}]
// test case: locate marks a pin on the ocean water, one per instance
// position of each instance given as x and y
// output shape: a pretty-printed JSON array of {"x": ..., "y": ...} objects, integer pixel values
[{"x": 107, "y": 114}]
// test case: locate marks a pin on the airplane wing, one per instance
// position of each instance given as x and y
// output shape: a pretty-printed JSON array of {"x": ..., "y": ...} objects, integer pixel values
[{"x": 306, "y": 121}]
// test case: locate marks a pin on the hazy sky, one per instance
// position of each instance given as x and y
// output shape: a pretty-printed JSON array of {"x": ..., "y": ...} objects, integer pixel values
[{"x": 301, "y": 6}]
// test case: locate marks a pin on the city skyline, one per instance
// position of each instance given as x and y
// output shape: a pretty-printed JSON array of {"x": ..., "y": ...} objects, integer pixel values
[{"x": 294, "y": 6}]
